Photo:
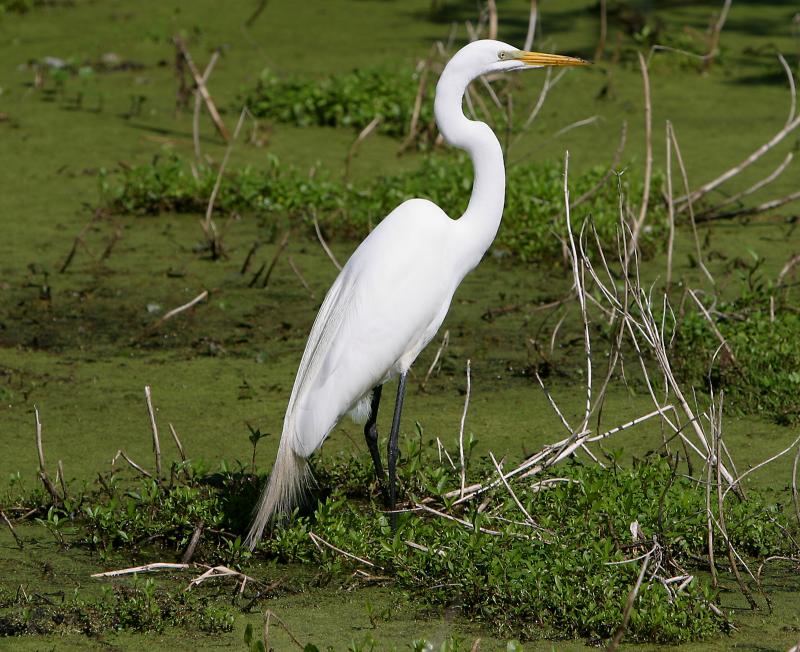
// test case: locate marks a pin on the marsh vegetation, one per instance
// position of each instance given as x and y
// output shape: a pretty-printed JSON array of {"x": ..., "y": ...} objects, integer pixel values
[{"x": 633, "y": 335}]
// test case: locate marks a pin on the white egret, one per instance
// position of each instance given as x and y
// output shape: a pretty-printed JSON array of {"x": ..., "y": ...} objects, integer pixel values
[{"x": 394, "y": 292}]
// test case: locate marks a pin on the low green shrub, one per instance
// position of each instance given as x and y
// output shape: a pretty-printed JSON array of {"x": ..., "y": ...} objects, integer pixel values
[
  {"x": 569, "y": 576},
  {"x": 563, "y": 580},
  {"x": 763, "y": 374},
  {"x": 351, "y": 99},
  {"x": 141, "y": 607},
  {"x": 283, "y": 197}
]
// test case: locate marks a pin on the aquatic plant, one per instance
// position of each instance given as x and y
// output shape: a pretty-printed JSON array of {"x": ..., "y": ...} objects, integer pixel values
[
  {"x": 286, "y": 198},
  {"x": 757, "y": 339},
  {"x": 352, "y": 99}
]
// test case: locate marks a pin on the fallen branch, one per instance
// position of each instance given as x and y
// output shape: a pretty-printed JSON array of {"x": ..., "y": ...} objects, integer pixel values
[
  {"x": 147, "y": 568},
  {"x": 319, "y": 540},
  {"x": 732, "y": 172},
  {"x": 176, "y": 311}
]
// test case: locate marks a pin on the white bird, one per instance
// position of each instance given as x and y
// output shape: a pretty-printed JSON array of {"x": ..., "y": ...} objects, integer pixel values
[{"x": 394, "y": 292}]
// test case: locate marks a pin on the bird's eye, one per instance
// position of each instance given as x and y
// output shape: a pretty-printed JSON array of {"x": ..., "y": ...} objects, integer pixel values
[{"x": 501, "y": 55}]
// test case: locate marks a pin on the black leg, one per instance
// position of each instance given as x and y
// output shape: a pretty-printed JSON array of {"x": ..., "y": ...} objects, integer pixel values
[
  {"x": 371, "y": 435},
  {"x": 393, "y": 447}
]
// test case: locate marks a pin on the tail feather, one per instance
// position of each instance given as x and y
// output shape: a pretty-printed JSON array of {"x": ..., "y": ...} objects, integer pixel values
[{"x": 286, "y": 484}]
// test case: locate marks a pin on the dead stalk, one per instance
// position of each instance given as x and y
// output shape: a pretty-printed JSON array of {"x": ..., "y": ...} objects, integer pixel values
[
  {"x": 281, "y": 246},
  {"x": 190, "y": 549},
  {"x": 528, "y": 517},
  {"x": 177, "y": 442},
  {"x": 764, "y": 463},
  {"x": 198, "y": 102},
  {"x": 461, "y": 432},
  {"x": 670, "y": 207},
  {"x": 715, "y": 417},
  {"x": 362, "y": 136},
  {"x": 795, "y": 499},
  {"x": 546, "y": 88},
  {"x": 532, "y": 17},
  {"x": 716, "y": 31},
  {"x": 689, "y": 203},
  {"x": 723, "y": 342},
  {"x": 611, "y": 168},
  {"x": 418, "y": 98},
  {"x": 13, "y": 531},
  {"x": 439, "y": 351},
  {"x": 202, "y": 89},
  {"x": 300, "y": 276},
  {"x": 45, "y": 478},
  {"x": 710, "y": 525},
  {"x": 648, "y": 164},
  {"x": 134, "y": 465},
  {"x": 249, "y": 257},
  {"x": 574, "y": 125},
  {"x": 154, "y": 427},
  {"x": 268, "y": 615},
  {"x": 626, "y": 613},
  {"x": 62, "y": 481},
  {"x": 208, "y": 225},
  {"x": 324, "y": 244},
  {"x": 492, "y": 7},
  {"x": 764, "y": 207},
  {"x": 601, "y": 41}
]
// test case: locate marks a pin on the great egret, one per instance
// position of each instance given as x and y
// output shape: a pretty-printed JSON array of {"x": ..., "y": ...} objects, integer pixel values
[{"x": 394, "y": 292}]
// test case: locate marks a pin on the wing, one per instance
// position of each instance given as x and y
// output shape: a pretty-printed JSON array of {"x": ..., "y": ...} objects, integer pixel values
[{"x": 384, "y": 306}]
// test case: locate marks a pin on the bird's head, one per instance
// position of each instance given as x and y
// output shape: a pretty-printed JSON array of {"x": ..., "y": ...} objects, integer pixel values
[{"x": 487, "y": 56}]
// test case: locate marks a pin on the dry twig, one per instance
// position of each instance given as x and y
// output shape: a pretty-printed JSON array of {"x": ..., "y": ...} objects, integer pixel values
[
  {"x": 45, "y": 478},
  {"x": 202, "y": 89},
  {"x": 324, "y": 244},
  {"x": 461, "y": 432}
]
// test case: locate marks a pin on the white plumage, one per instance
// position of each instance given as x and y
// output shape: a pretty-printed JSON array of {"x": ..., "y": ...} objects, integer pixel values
[{"x": 393, "y": 294}]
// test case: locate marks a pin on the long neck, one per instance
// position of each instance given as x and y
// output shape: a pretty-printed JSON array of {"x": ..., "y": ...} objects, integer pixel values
[{"x": 478, "y": 225}]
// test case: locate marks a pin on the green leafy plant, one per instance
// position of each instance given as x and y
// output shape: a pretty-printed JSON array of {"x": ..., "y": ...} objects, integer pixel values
[
  {"x": 351, "y": 99},
  {"x": 284, "y": 197},
  {"x": 758, "y": 367}
]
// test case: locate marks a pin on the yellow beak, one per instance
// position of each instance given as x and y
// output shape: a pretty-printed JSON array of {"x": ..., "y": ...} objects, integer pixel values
[{"x": 544, "y": 59}]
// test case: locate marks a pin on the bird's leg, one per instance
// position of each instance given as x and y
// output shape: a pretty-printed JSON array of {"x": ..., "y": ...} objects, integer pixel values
[
  {"x": 371, "y": 435},
  {"x": 393, "y": 447}
]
